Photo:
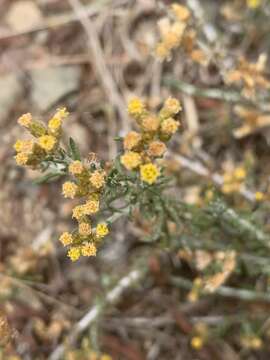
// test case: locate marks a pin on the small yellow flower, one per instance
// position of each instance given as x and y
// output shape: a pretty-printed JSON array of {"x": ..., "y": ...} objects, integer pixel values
[
  {"x": 55, "y": 124},
  {"x": 172, "y": 105},
  {"x": 149, "y": 173},
  {"x": 256, "y": 343},
  {"x": 105, "y": 357},
  {"x": 78, "y": 212},
  {"x": 84, "y": 229},
  {"x": 74, "y": 253},
  {"x": 131, "y": 160},
  {"x": 162, "y": 51},
  {"x": 24, "y": 146},
  {"x": 91, "y": 207},
  {"x": 131, "y": 140},
  {"x": 240, "y": 173},
  {"x": 102, "y": 230},
  {"x": 169, "y": 126},
  {"x": 181, "y": 12},
  {"x": 61, "y": 113},
  {"x": 89, "y": 250},
  {"x": 66, "y": 238},
  {"x": 259, "y": 196},
  {"x": 21, "y": 158},
  {"x": 25, "y": 120},
  {"x": 150, "y": 123},
  {"x": 76, "y": 167},
  {"x": 97, "y": 179},
  {"x": 136, "y": 107},
  {"x": 156, "y": 148},
  {"x": 47, "y": 142},
  {"x": 69, "y": 189},
  {"x": 196, "y": 342},
  {"x": 253, "y": 4}
]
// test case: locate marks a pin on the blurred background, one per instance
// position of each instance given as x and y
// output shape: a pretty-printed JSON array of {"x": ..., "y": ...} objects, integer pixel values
[{"x": 92, "y": 56}]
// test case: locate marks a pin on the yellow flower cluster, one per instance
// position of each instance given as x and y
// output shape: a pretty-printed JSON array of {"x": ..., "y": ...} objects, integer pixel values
[
  {"x": 32, "y": 153},
  {"x": 233, "y": 181},
  {"x": 87, "y": 184},
  {"x": 253, "y": 4},
  {"x": 176, "y": 30},
  {"x": 143, "y": 147},
  {"x": 251, "y": 76}
]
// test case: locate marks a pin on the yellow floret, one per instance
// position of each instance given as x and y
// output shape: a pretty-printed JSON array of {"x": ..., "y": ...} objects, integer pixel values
[
  {"x": 78, "y": 212},
  {"x": 84, "y": 229},
  {"x": 240, "y": 173},
  {"x": 21, "y": 158},
  {"x": 55, "y": 124},
  {"x": 149, "y": 173},
  {"x": 61, "y": 113},
  {"x": 91, "y": 207},
  {"x": 253, "y": 4},
  {"x": 89, "y": 250},
  {"x": 162, "y": 51},
  {"x": 156, "y": 148},
  {"x": 131, "y": 140},
  {"x": 74, "y": 253},
  {"x": 196, "y": 342},
  {"x": 150, "y": 123},
  {"x": 172, "y": 105},
  {"x": 102, "y": 230},
  {"x": 69, "y": 189},
  {"x": 135, "y": 107},
  {"x": 131, "y": 160},
  {"x": 169, "y": 126},
  {"x": 66, "y": 238},
  {"x": 259, "y": 196},
  {"x": 25, "y": 120},
  {"x": 76, "y": 167},
  {"x": 105, "y": 357},
  {"x": 180, "y": 11},
  {"x": 97, "y": 179},
  {"x": 47, "y": 142}
]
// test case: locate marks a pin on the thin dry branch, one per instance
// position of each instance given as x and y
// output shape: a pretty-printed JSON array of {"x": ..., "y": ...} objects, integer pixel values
[
  {"x": 104, "y": 75},
  {"x": 94, "y": 312}
]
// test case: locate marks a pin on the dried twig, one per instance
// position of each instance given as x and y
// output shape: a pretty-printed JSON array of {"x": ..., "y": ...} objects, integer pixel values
[
  {"x": 100, "y": 66},
  {"x": 110, "y": 298}
]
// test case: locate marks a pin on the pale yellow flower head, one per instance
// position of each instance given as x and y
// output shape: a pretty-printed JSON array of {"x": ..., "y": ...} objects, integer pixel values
[
  {"x": 21, "y": 158},
  {"x": 74, "y": 253},
  {"x": 132, "y": 140},
  {"x": 47, "y": 142},
  {"x": 84, "y": 229},
  {"x": 172, "y": 105},
  {"x": 136, "y": 107},
  {"x": 169, "y": 126},
  {"x": 55, "y": 124},
  {"x": 97, "y": 179},
  {"x": 181, "y": 12},
  {"x": 149, "y": 173},
  {"x": 69, "y": 189},
  {"x": 76, "y": 167},
  {"x": 102, "y": 230},
  {"x": 66, "y": 238},
  {"x": 25, "y": 146},
  {"x": 156, "y": 148},
  {"x": 131, "y": 160},
  {"x": 240, "y": 173},
  {"x": 150, "y": 123},
  {"x": 89, "y": 249},
  {"x": 25, "y": 120},
  {"x": 196, "y": 342},
  {"x": 91, "y": 207},
  {"x": 78, "y": 212},
  {"x": 253, "y": 4}
]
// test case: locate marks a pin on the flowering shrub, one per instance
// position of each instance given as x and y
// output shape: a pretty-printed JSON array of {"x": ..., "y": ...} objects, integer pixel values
[{"x": 133, "y": 174}]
